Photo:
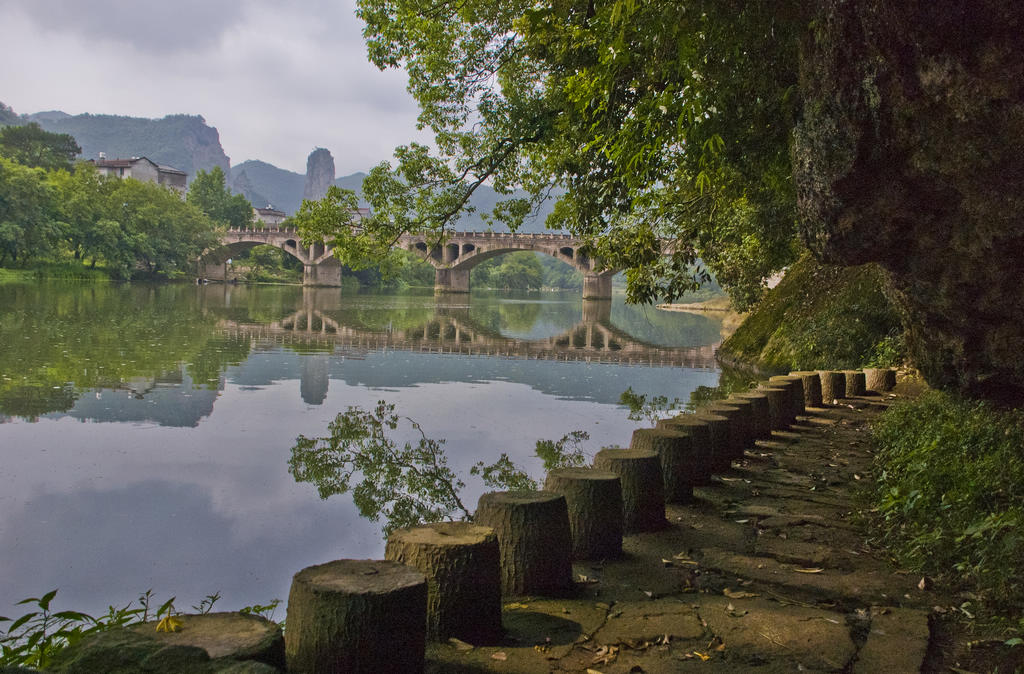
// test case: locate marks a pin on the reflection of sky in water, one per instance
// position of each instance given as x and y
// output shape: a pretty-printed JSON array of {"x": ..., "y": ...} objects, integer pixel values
[
  {"x": 185, "y": 490},
  {"x": 193, "y": 510}
]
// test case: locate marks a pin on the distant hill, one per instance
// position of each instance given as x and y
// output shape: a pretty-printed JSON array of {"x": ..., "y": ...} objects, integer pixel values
[
  {"x": 283, "y": 189},
  {"x": 185, "y": 142}
]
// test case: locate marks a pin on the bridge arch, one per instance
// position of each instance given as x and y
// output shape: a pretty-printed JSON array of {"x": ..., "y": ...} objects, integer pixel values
[
  {"x": 452, "y": 259},
  {"x": 455, "y": 257}
]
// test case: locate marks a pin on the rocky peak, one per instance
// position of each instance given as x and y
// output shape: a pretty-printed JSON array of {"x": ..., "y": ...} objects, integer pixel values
[{"x": 319, "y": 174}]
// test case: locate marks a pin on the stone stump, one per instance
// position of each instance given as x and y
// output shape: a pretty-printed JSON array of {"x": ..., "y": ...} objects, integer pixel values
[
  {"x": 833, "y": 385},
  {"x": 643, "y": 493},
  {"x": 856, "y": 383},
  {"x": 744, "y": 431},
  {"x": 700, "y": 434},
  {"x": 461, "y": 563},
  {"x": 594, "y": 501},
  {"x": 679, "y": 459},
  {"x": 812, "y": 387},
  {"x": 721, "y": 439},
  {"x": 795, "y": 386},
  {"x": 534, "y": 540},
  {"x": 779, "y": 406},
  {"x": 356, "y": 615},
  {"x": 762, "y": 420},
  {"x": 880, "y": 380}
]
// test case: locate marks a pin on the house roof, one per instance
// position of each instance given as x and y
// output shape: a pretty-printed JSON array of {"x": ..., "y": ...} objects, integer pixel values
[{"x": 128, "y": 163}]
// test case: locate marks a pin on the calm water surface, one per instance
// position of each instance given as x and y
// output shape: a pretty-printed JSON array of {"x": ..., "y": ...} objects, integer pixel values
[{"x": 145, "y": 430}]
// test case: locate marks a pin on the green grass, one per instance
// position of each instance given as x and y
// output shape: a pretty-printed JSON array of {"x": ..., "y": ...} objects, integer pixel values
[
  {"x": 950, "y": 494},
  {"x": 819, "y": 317}
]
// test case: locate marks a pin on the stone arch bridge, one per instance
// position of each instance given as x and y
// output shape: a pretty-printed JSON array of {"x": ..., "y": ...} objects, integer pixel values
[{"x": 452, "y": 260}]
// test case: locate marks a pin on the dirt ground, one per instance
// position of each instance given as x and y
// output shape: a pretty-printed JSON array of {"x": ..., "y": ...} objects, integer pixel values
[{"x": 769, "y": 570}]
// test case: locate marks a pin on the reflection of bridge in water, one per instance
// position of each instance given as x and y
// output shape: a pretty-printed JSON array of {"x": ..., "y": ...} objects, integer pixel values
[{"x": 593, "y": 339}]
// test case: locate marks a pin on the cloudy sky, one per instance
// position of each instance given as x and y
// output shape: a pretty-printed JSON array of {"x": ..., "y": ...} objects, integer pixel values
[{"x": 277, "y": 78}]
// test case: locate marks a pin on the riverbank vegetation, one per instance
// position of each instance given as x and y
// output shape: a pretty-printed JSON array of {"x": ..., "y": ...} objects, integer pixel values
[{"x": 950, "y": 494}]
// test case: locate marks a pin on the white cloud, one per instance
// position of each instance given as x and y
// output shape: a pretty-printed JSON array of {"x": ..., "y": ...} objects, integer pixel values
[{"x": 276, "y": 79}]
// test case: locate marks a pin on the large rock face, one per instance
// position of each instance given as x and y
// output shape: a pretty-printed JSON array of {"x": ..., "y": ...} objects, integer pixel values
[
  {"x": 185, "y": 142},
  {"x": 319, "y": 174},
  {"x": 911, "y": 154}
]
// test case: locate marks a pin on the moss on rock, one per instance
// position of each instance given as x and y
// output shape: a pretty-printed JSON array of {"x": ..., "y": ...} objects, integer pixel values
[{"x": 818, "y": 317}]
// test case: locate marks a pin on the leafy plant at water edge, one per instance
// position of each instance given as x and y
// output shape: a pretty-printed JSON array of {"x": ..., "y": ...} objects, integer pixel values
[
  {"x": 33, "y": 639},
  {"x": 951, "y": 492},
  {"x": 405, "y": 484},
  {"x": 650, "y": 408},
  {"x": 409, "y": 484}
]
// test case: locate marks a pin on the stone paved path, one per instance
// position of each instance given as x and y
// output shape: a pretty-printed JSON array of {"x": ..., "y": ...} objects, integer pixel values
[{"x": 766, "y": 572}]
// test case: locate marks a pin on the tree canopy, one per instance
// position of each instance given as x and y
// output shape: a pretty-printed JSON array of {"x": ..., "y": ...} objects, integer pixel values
[
  {"x": 30, "y": 145},
  {"x": 663, "y": 128},
  {"x": 210, "y": 194}
]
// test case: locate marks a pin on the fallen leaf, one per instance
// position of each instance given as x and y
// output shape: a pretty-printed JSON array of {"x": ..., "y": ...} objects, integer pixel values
[
  {"x": 703, "y": 656},
  {"x": 514, "y": 605},
  {"x": 738, "y": 594},
  {"x": 925, "y": 583},
  {"x": 742, "y": 521},
  {"x": 500, "y": 655},
  {"x": 648, "y": 593},
  {"x": 809, "y": 570},
  {"x": 169, "y": 623},
  {"x": 587, "y": 579},
  {"x": 460, "y": 645}
]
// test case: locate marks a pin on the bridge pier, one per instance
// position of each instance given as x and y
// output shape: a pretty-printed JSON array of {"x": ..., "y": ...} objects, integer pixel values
[
  {"x": 597, "y": 286},
  {"x": 597, "y": 310},
  {"x": 323, "y": 274},
  {"x": 451, "y": 280}
]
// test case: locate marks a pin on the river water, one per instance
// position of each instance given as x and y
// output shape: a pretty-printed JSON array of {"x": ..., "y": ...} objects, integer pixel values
[{"x": 145, "y": 431}]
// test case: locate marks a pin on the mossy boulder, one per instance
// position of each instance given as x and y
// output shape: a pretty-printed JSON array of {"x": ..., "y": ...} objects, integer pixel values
[
  {"x": 124, "y": 651},
  {"x": 817, "y": 317},
  {"x": 910, "y": 154}
]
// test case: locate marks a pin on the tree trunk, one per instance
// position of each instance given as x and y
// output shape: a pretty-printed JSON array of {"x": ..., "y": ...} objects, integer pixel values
[
  {"x": 778, "y": 405},
  {"x": 356, "y": 615},
  {"x": 700, "y": 434},
  {"x": 880, "y": 380},
  {"x": 594, "y": 500},
  {"x": 643, "y": 492},
  {"x": 812, "y": 387},
  {"x": 461, "y": 563},
  {"x": 762, "y": 420},
  {"x": 534, "y": 540},
  {"x": 833, "y": 385},
  {"x": 856, "y": 383},
  {"x": 681, "y": 460}
]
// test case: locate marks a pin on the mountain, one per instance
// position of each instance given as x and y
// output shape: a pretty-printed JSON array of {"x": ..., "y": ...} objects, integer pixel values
[
  {"x": 185, "y": 142},
  {"x": 278, "y": 187},
  {"x": 284, "y": 190}
]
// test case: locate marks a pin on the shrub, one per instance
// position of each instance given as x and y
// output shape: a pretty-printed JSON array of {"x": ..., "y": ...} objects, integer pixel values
[{"x": 951, "y": 492}]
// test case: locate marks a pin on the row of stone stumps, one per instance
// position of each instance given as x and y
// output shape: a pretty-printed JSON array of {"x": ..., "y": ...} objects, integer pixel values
[{"x": 447, "y": 580}]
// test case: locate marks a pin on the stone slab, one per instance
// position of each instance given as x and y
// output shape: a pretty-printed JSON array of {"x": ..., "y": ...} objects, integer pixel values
[
  {"x": 897, "y": 642},
  {"x": 811, "y": 639}
]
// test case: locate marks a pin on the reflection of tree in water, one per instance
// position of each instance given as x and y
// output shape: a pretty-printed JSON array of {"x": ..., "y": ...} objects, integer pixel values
[
  {"x": 406, "y": 483},
  {"x": 519, "y": 317},
  {"x": 59, "y": 340},
  {"x": 32, "y": 401}
]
